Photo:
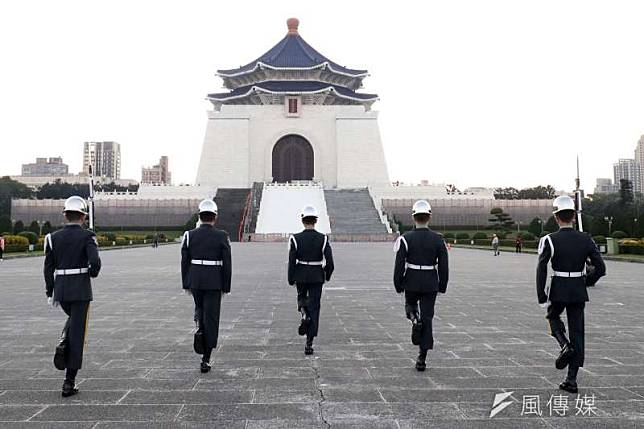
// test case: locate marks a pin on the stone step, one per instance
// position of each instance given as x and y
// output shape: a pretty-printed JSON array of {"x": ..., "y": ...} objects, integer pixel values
[{"x": 352, "y": 211}]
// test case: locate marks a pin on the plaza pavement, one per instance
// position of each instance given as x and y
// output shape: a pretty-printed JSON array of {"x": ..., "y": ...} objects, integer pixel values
[{"x": 140, "y": 372}]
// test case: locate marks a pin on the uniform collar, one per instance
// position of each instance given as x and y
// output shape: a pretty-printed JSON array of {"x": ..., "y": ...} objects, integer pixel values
[
  {"x": 72, "y": 225},
  {"x": 205, "y": 224},
  {"x": 421, "y": 228},
  {"x": 307, "y": 230}
]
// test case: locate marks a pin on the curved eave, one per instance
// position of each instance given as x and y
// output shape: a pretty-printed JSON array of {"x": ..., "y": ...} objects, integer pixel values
[
  {"x": 259, "y": 64},
  {"x": 330, "y": 89}
]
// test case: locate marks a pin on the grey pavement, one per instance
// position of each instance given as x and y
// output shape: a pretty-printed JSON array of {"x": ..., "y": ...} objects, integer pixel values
[{"x": 140, "y": 371}]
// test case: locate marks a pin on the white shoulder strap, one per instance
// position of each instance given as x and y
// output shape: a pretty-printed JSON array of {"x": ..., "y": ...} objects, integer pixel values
[
  {"x": 542, "y": 245},
  {"x": 400, "y": 240},
  {"x": 48, "y": 243},
  {"x": 186, "y": 238},
  {"x": 292, "y": 242},
  {"x": 326, "y": 240}
]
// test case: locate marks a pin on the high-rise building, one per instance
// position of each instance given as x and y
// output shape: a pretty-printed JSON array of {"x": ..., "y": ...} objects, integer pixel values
[
  {"x": 606, "y": 186},
  {"x": 105, "y": 157},
  {"x": 630, "y": 170},
  {"x": 639, "y": 161},
  {"x": 158, "y": 174},
  {"x": 45, "y": 167}
]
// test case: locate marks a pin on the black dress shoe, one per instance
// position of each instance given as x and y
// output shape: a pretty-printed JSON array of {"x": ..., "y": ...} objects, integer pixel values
[
  {"x": 420, "y": 362},
  {"x": 197, "y": 343},
  {"x": 416, "y": 332},
  {"x": 569, "y": 385},
  {"x": 308, "y": 350},
  {"x": 69, "y": 389},
  {"x": 59, "y": 356},
  {"x": 565, "y": 355},
  {"x": 304, "y": 326},
  {"x": 205, "y": 367}
]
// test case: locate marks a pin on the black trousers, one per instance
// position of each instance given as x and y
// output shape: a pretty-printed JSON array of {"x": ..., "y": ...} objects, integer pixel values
[
  {"x": 308, "y": 298},
  {"x": 427, "y": 301},
  {"x": 207, "y": 310},
  {"x": 575, "y": 315},
  {"x": 75, "y": 330}
]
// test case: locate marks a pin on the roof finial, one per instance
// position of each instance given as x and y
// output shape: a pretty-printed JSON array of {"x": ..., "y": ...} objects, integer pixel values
[{"x": 292, "y": 24}]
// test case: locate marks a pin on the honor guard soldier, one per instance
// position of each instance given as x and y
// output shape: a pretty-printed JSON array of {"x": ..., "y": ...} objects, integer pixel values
[
  {"x": 567, "y": 250},
  {"x": 206, "y": 271},
  {"x": 71, "y": 259},
  {"x": 421, "y": 271},
  {"x": 310, "y": 264}
]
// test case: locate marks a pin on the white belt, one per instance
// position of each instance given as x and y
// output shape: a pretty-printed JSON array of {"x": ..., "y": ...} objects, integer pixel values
[
  {"x": 420, "y": 267},
  {"x": 567, "y": 274},
  {"x": 309, "y": 262},
  {"x": 204, "y": 262},
  {"x": 71, "y": 271}
]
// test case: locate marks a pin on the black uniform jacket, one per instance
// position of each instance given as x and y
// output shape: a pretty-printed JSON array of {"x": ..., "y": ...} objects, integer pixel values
[
  {"x": 69, "y": 248},
  {"x": 206, "y": 243},
  {"x": 571, "y": 249},
  {"x": 309, "y": 246},
  {"x": 421, "y": 246}
]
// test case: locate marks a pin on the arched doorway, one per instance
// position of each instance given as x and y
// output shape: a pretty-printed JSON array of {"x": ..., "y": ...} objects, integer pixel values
[{"x": 292, "y": 159}]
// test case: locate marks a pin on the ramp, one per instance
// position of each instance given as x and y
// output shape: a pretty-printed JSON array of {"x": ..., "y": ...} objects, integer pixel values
[
  {"x": 231, "y": 203},
  {"x": 279, "y": 211}
]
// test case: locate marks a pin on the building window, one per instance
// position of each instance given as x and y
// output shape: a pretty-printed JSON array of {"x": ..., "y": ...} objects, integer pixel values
[{"x": 292, "y": 106}]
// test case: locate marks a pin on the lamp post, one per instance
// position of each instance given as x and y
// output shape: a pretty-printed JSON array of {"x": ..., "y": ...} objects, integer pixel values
[
  {"x": 541, "y": 225},
  {"x": 609, "y": 219}
]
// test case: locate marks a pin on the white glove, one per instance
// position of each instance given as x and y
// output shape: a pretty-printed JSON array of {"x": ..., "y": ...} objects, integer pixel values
[
  {"x": 544, "y": 305},
  {"x": 187, "y": 291},
  {"x": 51, "y": 302}
]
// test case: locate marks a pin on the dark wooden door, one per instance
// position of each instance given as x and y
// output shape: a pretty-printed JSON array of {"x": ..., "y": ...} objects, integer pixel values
[{"x": 292, "y": 159}]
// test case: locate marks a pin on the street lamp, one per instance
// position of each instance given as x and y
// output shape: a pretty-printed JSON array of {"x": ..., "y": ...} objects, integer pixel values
[
  {"x": 541, "y": 225},
  {"x": 610, "y": 223}
]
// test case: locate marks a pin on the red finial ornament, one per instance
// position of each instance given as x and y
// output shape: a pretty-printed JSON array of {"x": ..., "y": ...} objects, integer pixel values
[{"x": 292, "y": 24}]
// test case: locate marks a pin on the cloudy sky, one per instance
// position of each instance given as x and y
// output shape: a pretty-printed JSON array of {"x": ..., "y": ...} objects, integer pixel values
[{"x": 476, "y": 93}]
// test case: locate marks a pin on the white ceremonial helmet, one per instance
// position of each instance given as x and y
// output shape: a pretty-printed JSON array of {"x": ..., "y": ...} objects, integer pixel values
[
  {"x": 421, "y": 207},
  {"x": 309, "y": 211},
  {"x": 208, "y": 206},
  {"x": 561, "y": 203},
  {"x": 75, "y": 204}
]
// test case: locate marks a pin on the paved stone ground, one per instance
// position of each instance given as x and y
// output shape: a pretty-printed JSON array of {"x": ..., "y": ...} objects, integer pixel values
[{"x": 140, "y": 372}]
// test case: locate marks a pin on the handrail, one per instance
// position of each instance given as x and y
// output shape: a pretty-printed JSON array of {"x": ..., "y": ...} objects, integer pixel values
[{"x": 242, "y": 221}]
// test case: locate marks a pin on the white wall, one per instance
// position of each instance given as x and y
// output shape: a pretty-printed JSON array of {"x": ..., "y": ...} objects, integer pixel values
[{"x": 239, "y": 142}]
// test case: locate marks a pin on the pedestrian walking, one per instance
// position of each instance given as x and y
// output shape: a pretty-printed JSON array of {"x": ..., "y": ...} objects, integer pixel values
[
  {"x": 518, "y": 244},
  {"x": 495, "y": 245},
  {"x": 1, "y": 247}
]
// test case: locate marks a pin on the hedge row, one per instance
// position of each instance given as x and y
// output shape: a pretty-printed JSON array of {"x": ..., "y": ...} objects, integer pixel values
[{"x": 24, "y": 246}]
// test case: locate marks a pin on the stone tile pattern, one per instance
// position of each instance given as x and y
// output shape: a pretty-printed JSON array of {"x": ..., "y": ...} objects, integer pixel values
[{"x": 140, "y": 371}]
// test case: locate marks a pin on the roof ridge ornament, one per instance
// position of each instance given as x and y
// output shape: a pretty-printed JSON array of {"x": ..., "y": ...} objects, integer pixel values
[{"x": 292, "y": 24}]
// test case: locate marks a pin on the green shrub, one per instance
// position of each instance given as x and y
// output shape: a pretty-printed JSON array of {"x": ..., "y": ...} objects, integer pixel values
[
  {"x": 463, "y": 236},
  {"x": 32, "y": 237},
  {"x": 16, "y": 239},
  {"x": 528, "y": 236},
  {"x": 16, "y": 248},
  {"x": 121, "y": 241},
  {"x": 449, "y": 235},
  {"x": 600, "y": 239},
  {"x": 619, "y": 234},
  {"x": 109, "y": 235},
  {"x": 479, "y": 236}
]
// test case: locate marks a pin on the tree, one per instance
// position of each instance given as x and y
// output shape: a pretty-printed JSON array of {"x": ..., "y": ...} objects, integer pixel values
[
  {"x": 500, "y": 219},
  {"x": 11, "y": 189},
  {"x": 34, "y": 227},
  {"x": 47, "y": 228},
  {"x": 537, "y": 193},
  {"x": 5, "y": 224},
  {"x": 506, "y": 193},
  {"x": 551, "y": 225},
  {"x": 18, "y": 227},
  {"x": 535, "y": 226},
  {"x": 192, "y": 222}
]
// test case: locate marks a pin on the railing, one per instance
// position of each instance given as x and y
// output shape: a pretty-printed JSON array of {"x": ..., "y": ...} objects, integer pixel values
[{"x": 244, "y": 217}]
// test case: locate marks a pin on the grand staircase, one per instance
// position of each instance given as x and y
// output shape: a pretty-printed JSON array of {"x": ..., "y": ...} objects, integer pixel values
[
  {"x": 352, "y": 211},
  {"x": 231, "y": 203}
]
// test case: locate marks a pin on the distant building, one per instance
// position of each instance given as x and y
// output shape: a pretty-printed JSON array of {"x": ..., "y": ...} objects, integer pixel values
[
  {"x": 628, "y": 169},
  {"x": 639, "y": 160},
  {"x": 158, "y": 174},
  {"x": 45, "y": 167},
  {"x": 606, "y": 186},
  {"x": 105, "y": 157},
  {"x": 36, "y": 182}
]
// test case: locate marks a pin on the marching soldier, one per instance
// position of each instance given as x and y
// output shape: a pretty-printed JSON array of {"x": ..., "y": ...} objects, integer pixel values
[
  {"x": 71, "y": 259},
  {"x": 567, "y": 250},
  {"x": 206, "y": 271},
  {"x": 421, "y": 271},
  {"x": 310, "y": 264}
]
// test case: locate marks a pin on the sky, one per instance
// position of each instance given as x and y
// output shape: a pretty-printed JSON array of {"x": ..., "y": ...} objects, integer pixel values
[{"x": 474, "y": 93}]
